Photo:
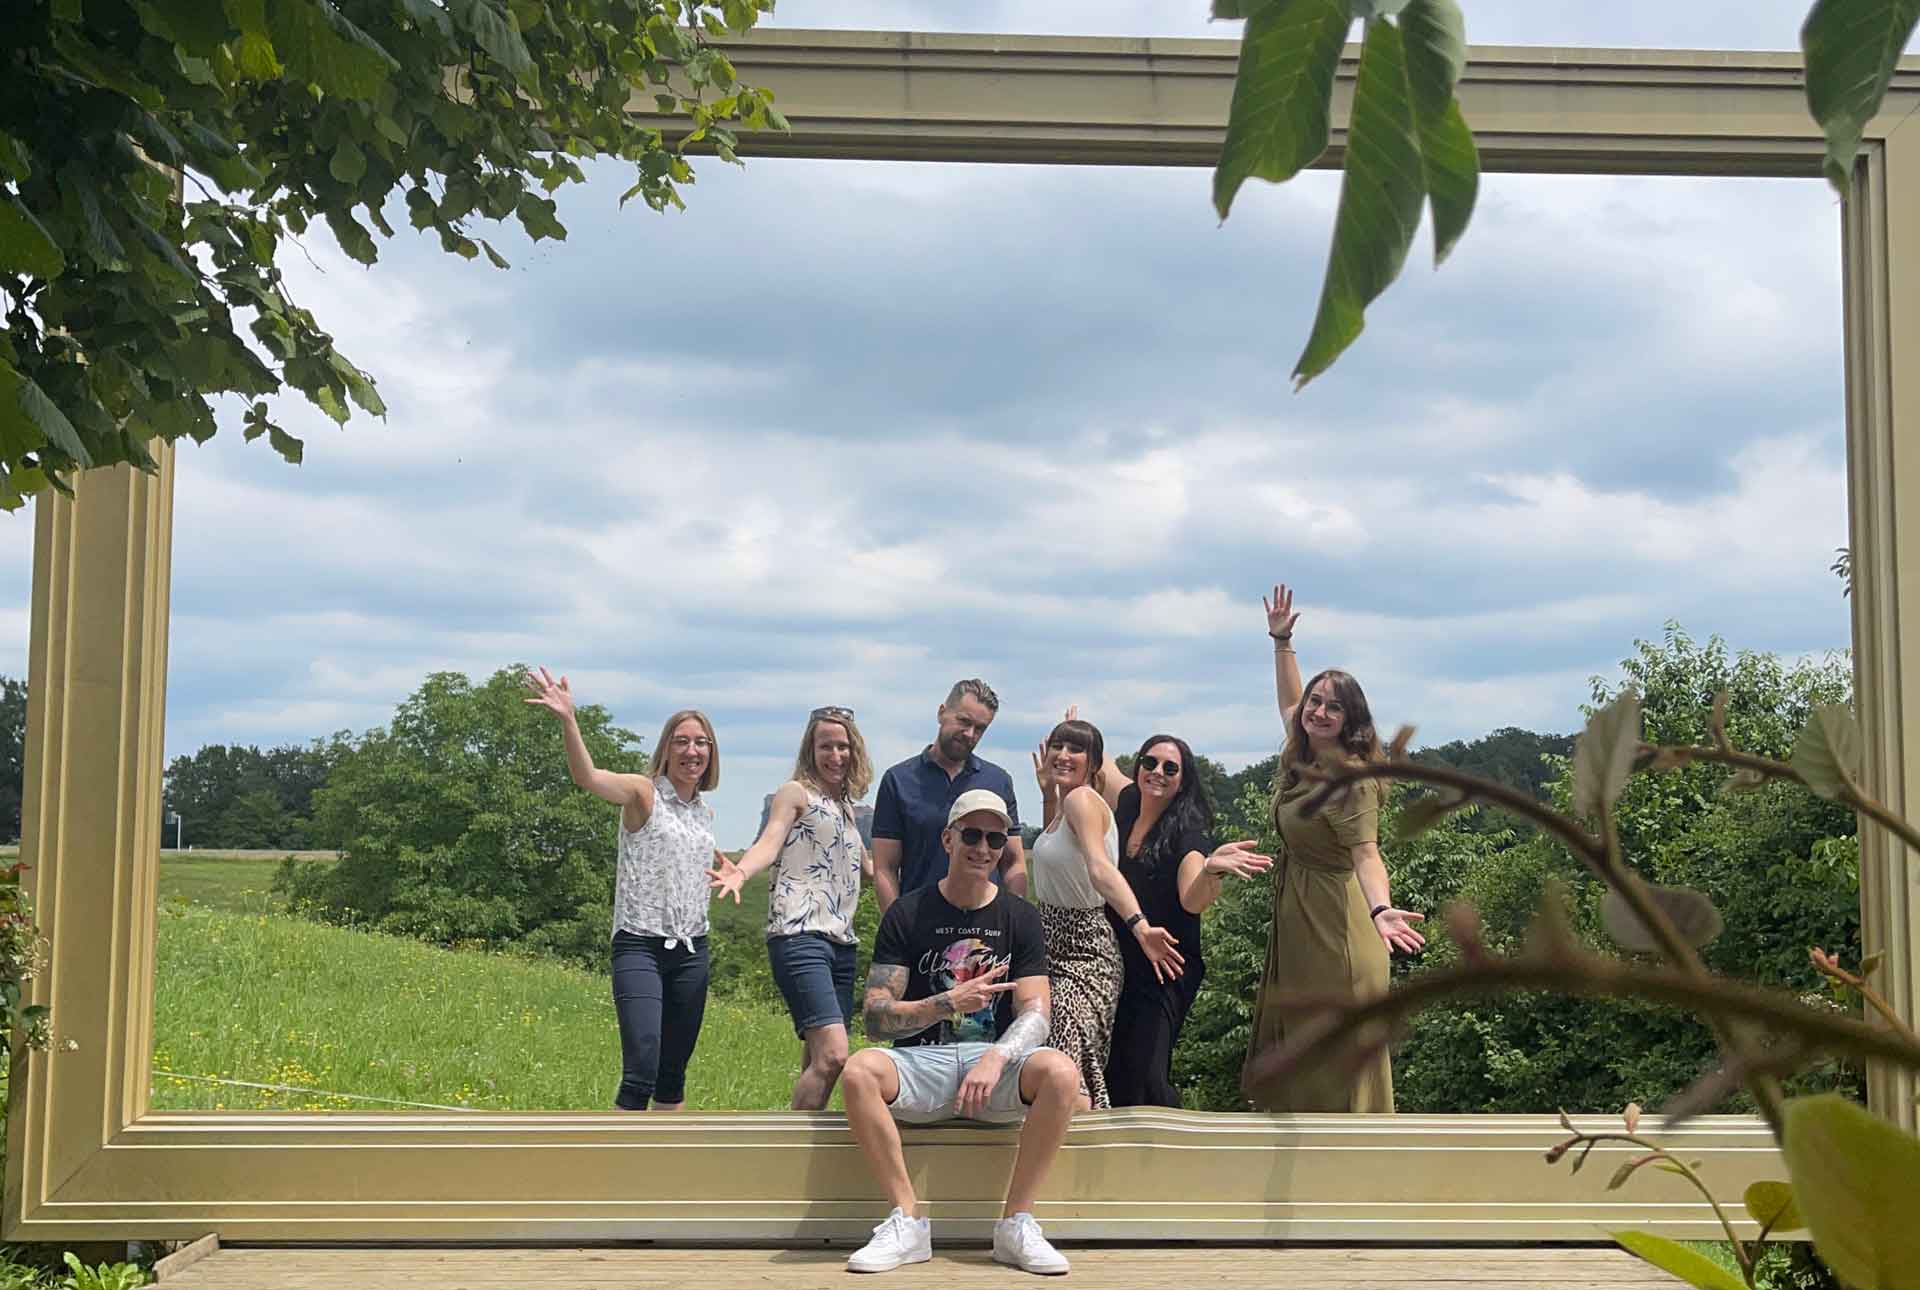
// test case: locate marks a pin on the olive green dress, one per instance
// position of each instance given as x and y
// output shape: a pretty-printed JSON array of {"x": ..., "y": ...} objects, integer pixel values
[{"x": 1321, "y": 942}]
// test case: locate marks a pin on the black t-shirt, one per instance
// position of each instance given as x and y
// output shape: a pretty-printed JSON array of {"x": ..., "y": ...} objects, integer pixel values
[
  {"x": 1158, "y": 891},
  {"x": 942, "y": 946}
]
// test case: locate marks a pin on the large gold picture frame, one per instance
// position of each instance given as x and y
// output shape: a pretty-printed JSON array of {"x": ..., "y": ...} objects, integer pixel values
[{"x": 87, "y": 1159}]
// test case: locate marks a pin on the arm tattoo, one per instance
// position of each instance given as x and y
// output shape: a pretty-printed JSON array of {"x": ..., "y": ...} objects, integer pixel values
[
  {"x": 886, "y": 1015},
  {"x": 1028, "y": 1031}
]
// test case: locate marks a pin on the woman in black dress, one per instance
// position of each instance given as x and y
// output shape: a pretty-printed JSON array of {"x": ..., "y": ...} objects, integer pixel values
[{"x": 1163, "y": 818}]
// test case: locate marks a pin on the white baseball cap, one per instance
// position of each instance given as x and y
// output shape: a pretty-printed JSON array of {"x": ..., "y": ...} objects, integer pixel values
[{"x": 979, "y": 799}]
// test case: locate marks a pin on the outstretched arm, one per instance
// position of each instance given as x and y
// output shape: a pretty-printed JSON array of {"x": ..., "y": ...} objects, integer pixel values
[
  {"x": 1286, "y": 667},
  {"x": 633, "y": 792},
  {"x": 788, "y": 801},
  {"x": 1089, "y": 824}
]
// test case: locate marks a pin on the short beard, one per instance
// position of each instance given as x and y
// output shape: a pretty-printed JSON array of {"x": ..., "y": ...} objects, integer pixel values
[{"x": 953, "y": 749}]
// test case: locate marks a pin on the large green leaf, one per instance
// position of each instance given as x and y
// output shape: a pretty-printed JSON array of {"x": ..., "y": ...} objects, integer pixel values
[
  {"x": 1856, "y": 1180},
  {"x": 493, "y": 29},
  {"x": 1436, "y": 37},
  {"x": 1691, "y": 1266},
  {"x": 1603, "y": 755},
  {"x": 49, "y": 420},
  {"x": 1827, "y": 753},
  {"x": 197, "y": 26},
  {"x": 1770, "y": 1204},
  {"x": 317, "y": 44},
  {"x": 1380, "y": 198},
  {"x": 1278, "y": 123},
  {"x": 1851, "y": 48},
  {"x": 25, "y": 245}
]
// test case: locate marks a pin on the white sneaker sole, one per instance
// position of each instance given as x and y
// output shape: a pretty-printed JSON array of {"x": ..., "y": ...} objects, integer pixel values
[
  {"x": 1012, "y": 1262},
  {"x": 888, "y": 1267}
]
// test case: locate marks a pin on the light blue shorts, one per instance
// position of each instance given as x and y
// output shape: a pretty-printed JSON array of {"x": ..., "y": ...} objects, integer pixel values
[{"x": 930, "y": 1076}]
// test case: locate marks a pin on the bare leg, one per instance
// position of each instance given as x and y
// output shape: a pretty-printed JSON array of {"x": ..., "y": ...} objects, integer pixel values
[
  {"x": 1050, "y": 1084},
  {"x": 826, "y": 1056},
  {"x": 868, "y": 1085}
]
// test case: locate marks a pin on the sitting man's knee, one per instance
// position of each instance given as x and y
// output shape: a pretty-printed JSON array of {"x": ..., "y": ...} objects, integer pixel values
[
  {"x": 862, "y": 1071},
  {"x": 1057, "y": 1072}
]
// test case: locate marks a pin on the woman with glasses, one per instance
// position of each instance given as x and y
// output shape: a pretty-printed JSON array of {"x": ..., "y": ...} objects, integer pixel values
[
  {"x": 1162, "y": 819},
  {"x": 1073, "y": 877},
  {"x": 812, "y": 844},
  {"x": 660, "y": 963},
  {"x": 1334, "y": 924}
]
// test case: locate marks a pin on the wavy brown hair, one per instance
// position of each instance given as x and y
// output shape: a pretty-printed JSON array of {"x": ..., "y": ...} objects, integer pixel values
[
  {"x": 1358, "y": 739},
  {"x": 859, "y": 769}
]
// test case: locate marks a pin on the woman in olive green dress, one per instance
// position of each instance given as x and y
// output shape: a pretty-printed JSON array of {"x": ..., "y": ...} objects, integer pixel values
[{"x": 1334, "y": 923}]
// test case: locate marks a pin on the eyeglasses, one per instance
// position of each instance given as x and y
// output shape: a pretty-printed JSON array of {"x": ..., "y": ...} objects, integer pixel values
[
  {"x": 832, "y": 712},
  {"x": 971, "y": 838},
  {"x": 1170, "y": 768},
  {"x": 700, "y": 742}
]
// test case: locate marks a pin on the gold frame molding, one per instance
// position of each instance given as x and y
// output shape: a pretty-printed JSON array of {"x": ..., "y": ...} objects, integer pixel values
[{"x": 88, "y": 1160}]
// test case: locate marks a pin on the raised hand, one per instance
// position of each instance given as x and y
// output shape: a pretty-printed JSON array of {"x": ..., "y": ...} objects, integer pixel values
[
  {"x": 1238, "y": 859},
  {"x": 1042, "y": 773},
  {"x": 1157, "y": 943},
  {"x": 725, "y": 878},
  {"x": 1396, "y": 929},
  {"x": 978, "y": 992},
  {"x": 1280, "y": 615},
  {"x": 550, "y": 694}
]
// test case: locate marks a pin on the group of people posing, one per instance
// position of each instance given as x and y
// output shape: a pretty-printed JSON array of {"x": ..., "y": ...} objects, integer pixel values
[{"x": 1011, "y": 986}]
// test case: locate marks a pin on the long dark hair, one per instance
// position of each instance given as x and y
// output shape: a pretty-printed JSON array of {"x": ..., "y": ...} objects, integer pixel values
[
  {"x": 1358, "y": 739},
  {"x": 1190, "y": 810}
]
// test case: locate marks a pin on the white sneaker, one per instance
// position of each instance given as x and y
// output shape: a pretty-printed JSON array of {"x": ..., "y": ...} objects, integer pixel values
[
  {"x": 898, "y": 1239},
  {"x": 1017, "y": 1240}
]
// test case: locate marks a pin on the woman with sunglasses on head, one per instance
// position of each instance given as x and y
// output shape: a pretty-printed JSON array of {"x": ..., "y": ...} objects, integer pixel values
[
  {"x": 812, "y": 843},
  {"x": 1073, "y": 877},
  {"x": 660, "y": 962},
  {"x": 1163, "y": 818},
  {"x": 1334, "y": 924}
]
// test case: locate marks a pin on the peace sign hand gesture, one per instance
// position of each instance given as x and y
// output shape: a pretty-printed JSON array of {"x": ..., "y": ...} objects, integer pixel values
[
  {"x": 550, "y": 694},
  {"x": 1280, "y": 615},
  {"x": 978, "y": 992}
]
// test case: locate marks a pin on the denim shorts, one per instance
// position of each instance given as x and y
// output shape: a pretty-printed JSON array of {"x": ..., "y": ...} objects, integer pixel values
[
  {"x": 815, "y": 976},
  {"x": 930, "y": 1076}
]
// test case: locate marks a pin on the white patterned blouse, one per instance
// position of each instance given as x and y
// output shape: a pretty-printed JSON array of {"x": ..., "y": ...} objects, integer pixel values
[
  {"x": 662, "y": 887},
  {"x": 814, "y": 885}
]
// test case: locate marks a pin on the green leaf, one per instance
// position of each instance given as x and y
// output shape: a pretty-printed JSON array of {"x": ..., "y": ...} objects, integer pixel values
[
  {"x": 318, "y": 45},
  {"x": 1856, "y": 1180},
  {"x": 1691, "y": 912},
  {"x": 1380, "y": 197},
  {"x": 349, "y": 164},
  {"x": 1851, "y": 49},
  {"x": 25, "y": 245},
  {"x": 50, "y": 420},
  {"x": 194, "y": 25},
  {"x": 285, "y": 444},
  {"x": 328, "y": 402},
  {"x": 1421, "y": 814},
  {"x": 1436, "y": 36},
  {"x": 493, "y": 257},
  {"x": 537, "y": 216},
  {"x": 493, "y": 30},
  {"x": 1827, "y": 753},
  {"x": 1603, "y": 755},
  {"x": 1770, "y": 1204},
  {"x": 1279, "y": 120},
  {"x": 1691, "y": 1266},
  {"x": 13, "y": 158},
  {"x": 1377, "y": 8}
]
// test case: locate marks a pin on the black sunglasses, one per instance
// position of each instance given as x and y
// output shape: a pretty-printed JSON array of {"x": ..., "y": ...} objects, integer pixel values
[
  {"x": 971, "y": 838},
  {"x": 832, "y": 712},
  {"x": 1170, "y": 768}
]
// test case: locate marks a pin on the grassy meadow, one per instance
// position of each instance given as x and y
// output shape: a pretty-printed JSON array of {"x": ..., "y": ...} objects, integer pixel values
[{"x": 244, "y": 991}]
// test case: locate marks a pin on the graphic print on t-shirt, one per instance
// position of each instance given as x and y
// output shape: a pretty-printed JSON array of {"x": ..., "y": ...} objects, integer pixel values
[{"x": 961, "y": 961}]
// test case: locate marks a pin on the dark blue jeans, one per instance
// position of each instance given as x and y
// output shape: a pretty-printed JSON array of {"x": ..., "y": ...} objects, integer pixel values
[{"x": 660, "y": 997}]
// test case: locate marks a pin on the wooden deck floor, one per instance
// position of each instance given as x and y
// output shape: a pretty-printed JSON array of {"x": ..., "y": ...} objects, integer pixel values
[{"x": 956, "y": 1269}]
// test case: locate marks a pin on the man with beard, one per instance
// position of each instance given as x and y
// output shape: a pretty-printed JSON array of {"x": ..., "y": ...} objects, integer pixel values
[{"x": 910, "y": 812}]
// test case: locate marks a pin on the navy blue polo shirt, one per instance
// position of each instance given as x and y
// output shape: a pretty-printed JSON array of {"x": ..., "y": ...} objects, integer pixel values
[{"x": 912, "y": 807}]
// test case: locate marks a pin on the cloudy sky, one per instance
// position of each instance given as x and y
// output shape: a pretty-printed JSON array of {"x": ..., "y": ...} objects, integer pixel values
[{"x": 844, "y": 432}]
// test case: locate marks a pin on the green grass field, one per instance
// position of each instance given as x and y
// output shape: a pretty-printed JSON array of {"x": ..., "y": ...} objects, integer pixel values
[{"x": 245, "y": 992}]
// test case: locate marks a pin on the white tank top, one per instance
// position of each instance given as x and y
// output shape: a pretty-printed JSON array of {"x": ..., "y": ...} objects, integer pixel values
[{"x": 1057, "y": 871}]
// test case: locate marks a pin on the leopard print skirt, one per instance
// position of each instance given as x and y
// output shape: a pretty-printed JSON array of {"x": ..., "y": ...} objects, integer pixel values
[{"x": 1083, "y": 960}]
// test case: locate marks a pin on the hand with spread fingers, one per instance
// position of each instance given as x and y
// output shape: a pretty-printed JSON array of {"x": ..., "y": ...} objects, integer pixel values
[
  {"x": 979, "y": 992},
  {"x": 725, "y": 878},
  {"x": 1239, "y": 859},
  {"x": 1280, "y": 614},
  {"x": 1396, "y": 929},
  {"x": 555, "y": 696},
  {"x": 1158, "y": 944}
]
